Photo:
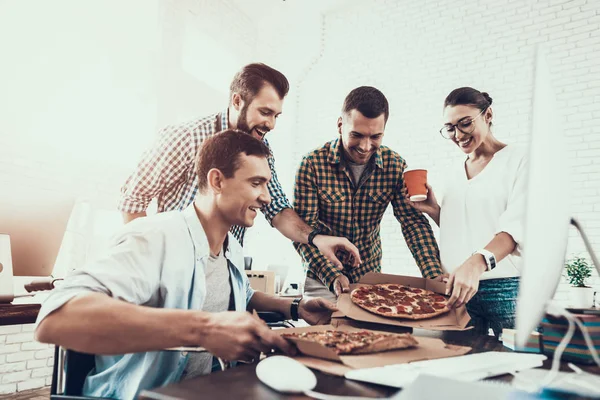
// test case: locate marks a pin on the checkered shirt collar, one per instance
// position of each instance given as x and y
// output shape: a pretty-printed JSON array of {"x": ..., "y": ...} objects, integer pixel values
[{"x": 335, "y": 155}]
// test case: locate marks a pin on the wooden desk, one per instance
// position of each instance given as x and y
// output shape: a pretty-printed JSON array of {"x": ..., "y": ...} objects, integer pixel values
[
  {"x": 242, "y": 383},
  {"x": 17, "y": 314}
]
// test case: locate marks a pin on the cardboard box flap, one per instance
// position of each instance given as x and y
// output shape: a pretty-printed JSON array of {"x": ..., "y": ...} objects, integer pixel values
[{"x": 373, "y": 278}]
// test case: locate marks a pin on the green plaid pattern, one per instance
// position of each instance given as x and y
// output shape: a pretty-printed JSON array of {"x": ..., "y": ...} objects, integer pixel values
[{"x": 326, "y": 199}]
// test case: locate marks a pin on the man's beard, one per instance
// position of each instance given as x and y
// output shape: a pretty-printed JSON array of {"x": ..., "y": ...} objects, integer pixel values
[{"x": 242, "y": 122}]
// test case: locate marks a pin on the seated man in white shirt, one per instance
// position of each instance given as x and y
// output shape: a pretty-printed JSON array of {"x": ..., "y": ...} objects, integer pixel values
[{"x": 176, "y": 279}]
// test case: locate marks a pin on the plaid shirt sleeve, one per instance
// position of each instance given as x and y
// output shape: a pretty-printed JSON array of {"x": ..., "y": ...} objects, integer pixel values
[
  {"x": 165, "y": 162},
  {"x": 306, "y": 204},
  {"x": 417, "y": 233},
  {"x": 279, "y": 200}
]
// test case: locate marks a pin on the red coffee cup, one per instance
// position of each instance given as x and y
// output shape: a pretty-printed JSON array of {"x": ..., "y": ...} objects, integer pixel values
[{"x": 415, "y": 181}]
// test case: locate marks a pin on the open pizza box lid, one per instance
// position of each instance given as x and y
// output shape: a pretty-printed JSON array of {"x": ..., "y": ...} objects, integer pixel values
[
  {"x": 454, "y": 320},
  {"x": 319, "y": 357}
]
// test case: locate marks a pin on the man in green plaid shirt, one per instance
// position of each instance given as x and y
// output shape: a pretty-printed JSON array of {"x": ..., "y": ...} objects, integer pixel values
[{"x": 344, "y": 188}]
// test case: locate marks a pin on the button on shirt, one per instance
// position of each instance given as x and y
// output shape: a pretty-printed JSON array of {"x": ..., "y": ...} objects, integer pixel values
[
  {"x": 158, "y": 261},
  {"x": 474, "y": 210},
  {"x": 327, "y": 198},
  {"x": 168, "y": 173}
]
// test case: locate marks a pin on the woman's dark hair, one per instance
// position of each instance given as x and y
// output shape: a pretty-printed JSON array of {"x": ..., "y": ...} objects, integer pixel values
[
  {"x": 369, "y": 101},
  {"x": 222, "y": 151},
  {"x": 467, "y": 96},
  {"x": 250, "y": 79}
]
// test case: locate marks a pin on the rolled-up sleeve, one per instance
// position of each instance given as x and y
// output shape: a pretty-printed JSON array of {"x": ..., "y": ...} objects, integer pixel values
[
  {"x": 130, "y": 271},
  {"x": 511, "y": 220}
]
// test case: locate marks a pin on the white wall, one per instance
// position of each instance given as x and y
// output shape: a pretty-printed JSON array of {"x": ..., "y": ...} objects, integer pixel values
[{"x": 78, "y": 104}]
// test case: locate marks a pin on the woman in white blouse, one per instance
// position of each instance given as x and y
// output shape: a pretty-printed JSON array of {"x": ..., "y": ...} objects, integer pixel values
[{"x": 480, "y": 215}]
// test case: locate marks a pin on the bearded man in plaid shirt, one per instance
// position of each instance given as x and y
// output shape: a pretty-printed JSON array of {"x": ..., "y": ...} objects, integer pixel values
[
  {"x": 344, "y": 188},
  {"x": 167, "y": 172}
]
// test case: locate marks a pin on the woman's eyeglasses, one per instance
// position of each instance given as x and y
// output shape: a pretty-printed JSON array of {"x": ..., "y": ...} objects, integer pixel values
[{"x": 465, "y": 125}]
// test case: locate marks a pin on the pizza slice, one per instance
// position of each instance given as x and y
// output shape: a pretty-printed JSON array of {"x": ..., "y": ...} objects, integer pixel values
[{"x": 355, "y": 342}]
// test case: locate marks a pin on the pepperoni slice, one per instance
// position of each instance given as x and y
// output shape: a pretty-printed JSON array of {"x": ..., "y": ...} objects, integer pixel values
[
  {"x": 393, "y": 287},
  {"x": 416, "y": 290},
  {"x": 438, "y": 306},
  {"x": 384, "y": 309}
]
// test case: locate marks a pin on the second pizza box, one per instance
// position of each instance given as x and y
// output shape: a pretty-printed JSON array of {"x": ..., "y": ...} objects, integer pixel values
[
  {"x": 319, "y": 357},
  {"x": 454, "y": 320}
]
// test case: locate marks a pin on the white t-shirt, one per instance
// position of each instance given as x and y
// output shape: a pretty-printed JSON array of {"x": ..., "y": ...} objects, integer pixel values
[{"x": 474, "y": 210}]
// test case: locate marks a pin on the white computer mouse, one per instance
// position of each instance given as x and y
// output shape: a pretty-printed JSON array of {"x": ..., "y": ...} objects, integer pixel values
[{"x": 285, "y": 374}]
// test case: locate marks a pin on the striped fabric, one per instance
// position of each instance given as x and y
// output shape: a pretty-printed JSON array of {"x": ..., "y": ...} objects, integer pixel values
[
  {"x": 167, "y": 172},
  {"x": 326, "y": 198}
]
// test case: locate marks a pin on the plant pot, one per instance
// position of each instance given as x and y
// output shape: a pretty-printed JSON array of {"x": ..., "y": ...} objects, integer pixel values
[{"x": 581, "y": 297}]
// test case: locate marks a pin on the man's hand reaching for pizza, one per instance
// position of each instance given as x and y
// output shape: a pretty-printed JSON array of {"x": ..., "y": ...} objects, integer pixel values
[
  {"x": 341, "y": 284},
  {"x": 316, "y": 311}
]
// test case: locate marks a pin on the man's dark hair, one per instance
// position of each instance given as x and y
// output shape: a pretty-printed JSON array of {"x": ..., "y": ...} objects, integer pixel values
[
  {"x": 222, "y": 151},
  {"x": 467, "y": 96},
  {"x": 369, "y": 101},
  {"x": 253, "y": 77}
]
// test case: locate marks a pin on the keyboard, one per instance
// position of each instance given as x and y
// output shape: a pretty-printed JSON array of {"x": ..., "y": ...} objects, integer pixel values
[{"x": 469, "y": 368}]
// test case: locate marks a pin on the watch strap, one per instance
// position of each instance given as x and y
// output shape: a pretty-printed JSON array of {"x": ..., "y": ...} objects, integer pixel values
[
  {"x": 488, "y": 256},
  {"x": 311, "y": 237},
  {"x": 294, "y": 307}
]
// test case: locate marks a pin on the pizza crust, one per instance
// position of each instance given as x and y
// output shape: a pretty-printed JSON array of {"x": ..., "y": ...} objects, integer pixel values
[{"x": 397, "y": 342}]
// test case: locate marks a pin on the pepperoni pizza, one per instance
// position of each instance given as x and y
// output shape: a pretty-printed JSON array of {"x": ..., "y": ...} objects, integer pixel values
[{"x": 399, "y": 301}]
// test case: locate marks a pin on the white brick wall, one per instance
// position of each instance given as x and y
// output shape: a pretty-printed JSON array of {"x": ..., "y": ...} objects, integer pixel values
[{"x": 24, "y": 363}]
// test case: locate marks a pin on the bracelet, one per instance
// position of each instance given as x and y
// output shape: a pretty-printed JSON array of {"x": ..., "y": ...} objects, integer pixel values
[
  {"x": 311, "y": 236},
  {"x": 294, "y": 308}
]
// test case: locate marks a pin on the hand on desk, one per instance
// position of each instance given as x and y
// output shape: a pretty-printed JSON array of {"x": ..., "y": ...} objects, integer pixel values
[
  {"x": 233, "y": 335},
  {"x": 316, "y": 311}
]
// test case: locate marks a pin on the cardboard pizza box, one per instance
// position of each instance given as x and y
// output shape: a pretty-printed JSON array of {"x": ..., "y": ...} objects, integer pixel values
[
  {"x": 319, "y": 357},
  {"x": 454, "y": 320}
]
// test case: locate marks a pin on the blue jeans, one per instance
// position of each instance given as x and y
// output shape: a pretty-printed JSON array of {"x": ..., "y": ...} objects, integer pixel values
[{"x": 494, "y": 305}]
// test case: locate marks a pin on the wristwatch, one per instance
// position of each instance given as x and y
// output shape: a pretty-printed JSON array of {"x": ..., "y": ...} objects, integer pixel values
[
  {"x": 294, "y": 308},
  {"x": 311, "y": 236},
  {"x": 489, "y": 257}
]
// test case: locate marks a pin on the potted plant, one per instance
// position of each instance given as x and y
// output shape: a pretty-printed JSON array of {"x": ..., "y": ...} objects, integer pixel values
[{"x": 578, "y": 270}]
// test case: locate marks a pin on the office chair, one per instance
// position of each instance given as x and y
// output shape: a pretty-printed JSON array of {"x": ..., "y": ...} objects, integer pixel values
[{"x": 68, "y": 374}]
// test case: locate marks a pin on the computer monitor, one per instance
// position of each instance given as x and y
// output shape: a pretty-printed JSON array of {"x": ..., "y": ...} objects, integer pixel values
[
  {"x": 35, "y": 220},
  {"x": 547, "y": 215}
]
